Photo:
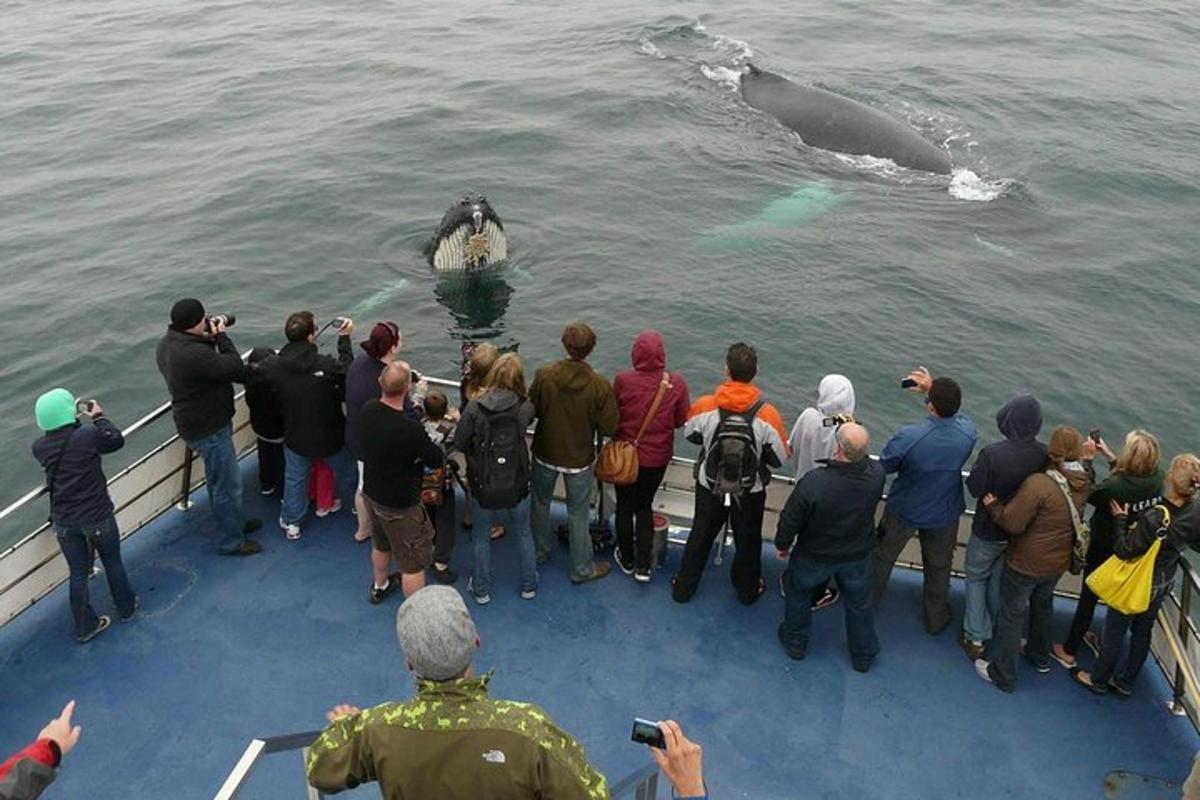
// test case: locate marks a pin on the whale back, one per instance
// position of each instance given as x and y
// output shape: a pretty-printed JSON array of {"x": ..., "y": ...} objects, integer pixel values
[{"x": 834, "y": 122}]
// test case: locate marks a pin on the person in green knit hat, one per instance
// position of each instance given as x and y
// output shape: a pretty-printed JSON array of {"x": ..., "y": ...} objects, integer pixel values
[{"x": 75, "y": 437}]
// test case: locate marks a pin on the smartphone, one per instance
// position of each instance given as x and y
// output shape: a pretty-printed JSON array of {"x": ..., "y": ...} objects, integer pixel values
[
  {"x": 647, "y": 732},
  {"x": 1094, "y": 435},
  {"x": 907, "y": 383}
]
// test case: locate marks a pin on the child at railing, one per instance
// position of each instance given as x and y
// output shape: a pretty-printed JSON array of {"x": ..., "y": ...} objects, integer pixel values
[{"x": 437, "y": 487}]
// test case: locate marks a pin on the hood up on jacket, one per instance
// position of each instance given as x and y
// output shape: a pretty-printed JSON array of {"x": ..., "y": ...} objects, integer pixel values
[
  {"x": 1020, "y": 418},
  {"x": 649, "y": 354},
  {"x": 811, "y": 440}
]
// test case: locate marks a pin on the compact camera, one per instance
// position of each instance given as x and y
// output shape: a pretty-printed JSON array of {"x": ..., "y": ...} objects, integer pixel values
[{"x": 838, "y": 419}]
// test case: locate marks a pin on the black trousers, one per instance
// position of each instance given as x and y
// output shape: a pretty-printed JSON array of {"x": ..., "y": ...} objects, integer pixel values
[
  {"x": 635, "y": 516},
  {"x": 1098, "y": 552},
  {"x": 270, "y": 465},
  {"x": 444, "y": 525},
  {"x": 745, "y": 514}
]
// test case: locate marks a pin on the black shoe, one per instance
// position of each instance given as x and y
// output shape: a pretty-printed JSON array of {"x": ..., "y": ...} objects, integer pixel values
[
  {"x": 1122, "y": 689},
  {"x": 445, "y": 575},
  {"x": 251, "y": 525},
  {"x": 248, "y": 548},
  {"x": 793, "y": 653},
  {"x": 862, "y": 666},
  {"x": 1077, "y": 676},
  {"x": 379, "y": 595},
  {"x": 625, "y": 564},
  {"x": 137, "y": 603}
]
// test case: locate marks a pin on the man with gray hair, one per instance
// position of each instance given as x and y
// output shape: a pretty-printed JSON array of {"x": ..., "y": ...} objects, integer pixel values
[{"x": 828, "y": 527}]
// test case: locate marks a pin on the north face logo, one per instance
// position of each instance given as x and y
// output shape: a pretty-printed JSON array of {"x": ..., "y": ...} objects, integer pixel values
[{"x": 494, "y": 757}]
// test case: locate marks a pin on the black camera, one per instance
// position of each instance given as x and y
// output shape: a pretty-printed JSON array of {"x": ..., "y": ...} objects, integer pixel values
[
  {"x": 337, "y": 322},
  {"x": 838, "y": 419},
  {"x": 227, "y": 320},
  {"x": 647, "y": 732}
]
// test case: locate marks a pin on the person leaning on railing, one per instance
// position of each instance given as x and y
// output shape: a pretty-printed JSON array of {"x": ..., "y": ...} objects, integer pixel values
[
  {"x": 1136, "y": 480},
  {"x": 1177, "y": 522},
  {"x": 200, "y": 365},
  {"x": 27, "y": 773},
  {"x": 80, "y": 508}
]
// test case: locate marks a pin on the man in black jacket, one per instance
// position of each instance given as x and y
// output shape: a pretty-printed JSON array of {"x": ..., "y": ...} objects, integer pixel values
[
  {"x": 395, "y": 451},
  {"x": 311, "y": 387},
  {"x": 830, "y": 516},
  {"x": 200, "y": 365}
]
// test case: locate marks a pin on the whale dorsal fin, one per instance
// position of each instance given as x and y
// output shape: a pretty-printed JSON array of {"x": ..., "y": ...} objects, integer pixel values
[{"x": 752, "y": 70}]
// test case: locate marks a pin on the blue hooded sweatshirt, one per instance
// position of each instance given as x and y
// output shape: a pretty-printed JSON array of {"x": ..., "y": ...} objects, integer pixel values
[
  {"x": 1002, "y": 467},
  {"x": 928, "y": 458}
]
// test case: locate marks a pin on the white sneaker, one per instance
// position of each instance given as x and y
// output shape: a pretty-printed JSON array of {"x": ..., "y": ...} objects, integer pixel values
[
  {"x": 290, "y": 532},
  {"x": 481, "y": 599},
  {"x": 528, "y": 594},
  {"x": 981, "y": 669},
  {"x": 333, "y": 509}
]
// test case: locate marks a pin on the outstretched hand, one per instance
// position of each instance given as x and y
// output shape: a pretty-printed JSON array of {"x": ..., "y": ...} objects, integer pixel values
[
  {"x": 681, "y": 762},
  {"x": 60, "y": 730},
  {"x": 337, "y": 712},
  {"x": 922, "y": 379}
]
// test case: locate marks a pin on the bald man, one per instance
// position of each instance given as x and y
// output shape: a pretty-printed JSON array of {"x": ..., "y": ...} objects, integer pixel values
[
  {"x": 828, "y": 529},
  {"x": 396, "y": 451}
]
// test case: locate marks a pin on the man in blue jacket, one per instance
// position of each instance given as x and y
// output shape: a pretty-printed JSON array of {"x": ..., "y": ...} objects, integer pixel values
[{"x": 926, "y": 498}]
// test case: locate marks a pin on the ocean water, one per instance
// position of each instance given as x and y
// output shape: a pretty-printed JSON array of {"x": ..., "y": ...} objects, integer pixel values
[{"x": 269, "y": 156}]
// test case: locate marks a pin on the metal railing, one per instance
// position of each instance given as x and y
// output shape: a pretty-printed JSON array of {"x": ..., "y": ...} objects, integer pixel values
[{"x": 641, "y": 784}]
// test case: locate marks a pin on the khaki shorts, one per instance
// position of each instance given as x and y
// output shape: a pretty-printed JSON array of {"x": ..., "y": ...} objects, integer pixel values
[{"x": 406, "y": 533}]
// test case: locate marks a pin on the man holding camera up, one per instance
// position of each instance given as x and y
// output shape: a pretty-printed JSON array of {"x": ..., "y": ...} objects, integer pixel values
[
  {"x": 311, "y": 387},
  {"x": 200, "y": 365}
]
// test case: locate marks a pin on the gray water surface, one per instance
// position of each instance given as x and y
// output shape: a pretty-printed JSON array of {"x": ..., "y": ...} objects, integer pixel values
[{"x": 268, "y": 157}]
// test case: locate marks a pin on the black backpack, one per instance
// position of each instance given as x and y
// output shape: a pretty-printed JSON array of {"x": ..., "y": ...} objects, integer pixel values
[
  {"x": 733, "y": 461},
  {"x": 501, "y": 470}
]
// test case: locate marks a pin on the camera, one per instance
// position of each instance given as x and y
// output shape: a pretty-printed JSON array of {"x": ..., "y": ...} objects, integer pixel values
[
  {"x": 838, "y": 419},
  {"x": 227, "y": 320},
  {"x": 337, "y": 322},
  {"x": 647, "y": 732},
  {"x": 84, "y": 406}
]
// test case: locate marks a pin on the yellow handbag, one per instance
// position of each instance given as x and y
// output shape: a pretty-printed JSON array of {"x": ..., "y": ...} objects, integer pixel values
[{"x": 1126, "y": 584}]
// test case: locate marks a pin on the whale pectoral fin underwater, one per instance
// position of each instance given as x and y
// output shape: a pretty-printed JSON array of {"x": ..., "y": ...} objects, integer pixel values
[
  {"x": 778, "y": 221},
  {"x": 830, "y": 121},
  {"x": 470, "y": 237}
]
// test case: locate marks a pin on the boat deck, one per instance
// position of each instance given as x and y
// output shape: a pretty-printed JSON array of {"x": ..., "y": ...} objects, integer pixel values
[{"x": 226, "y": 649}]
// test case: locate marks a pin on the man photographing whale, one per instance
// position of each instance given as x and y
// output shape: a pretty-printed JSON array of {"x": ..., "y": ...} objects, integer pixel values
[{"x": 199, "y": 363}]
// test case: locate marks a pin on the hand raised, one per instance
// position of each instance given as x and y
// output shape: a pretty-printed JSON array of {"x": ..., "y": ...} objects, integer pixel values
[
  {"x": 60, "y": 731},
  {"x": 682, "y": 762}
]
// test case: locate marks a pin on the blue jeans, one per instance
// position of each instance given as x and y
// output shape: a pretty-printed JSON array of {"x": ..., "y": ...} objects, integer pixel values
[
  {"x": 985, "y": 568},
  {"x": 854, "y": 580},
  {"x": 78, "y": 543},
  {"x": 516, "y": 522},
  {"x": 1022, "y": 599},
  {"x": 295, "y": 482},
  {"x": 223, "y": 480},
  {"x": 1140, "y": 628},
  {"x": 579, "y": 493}
]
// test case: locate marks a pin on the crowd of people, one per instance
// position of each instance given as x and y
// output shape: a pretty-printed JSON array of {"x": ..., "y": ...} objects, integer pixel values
[{"x": 365, "y": 432}]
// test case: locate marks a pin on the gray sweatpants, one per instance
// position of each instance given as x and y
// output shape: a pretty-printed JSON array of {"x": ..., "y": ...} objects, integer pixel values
[{"x": 937, "y": 553}]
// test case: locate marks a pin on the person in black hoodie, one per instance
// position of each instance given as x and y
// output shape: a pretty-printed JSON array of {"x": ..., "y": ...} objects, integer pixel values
[
  {"x": 830, "y": 516},
  {"x": 200, "y": 365},
  {"x": 311, "y": 387},
  {"x": 999, "y": 469},
  {"x": 266, "y": 420},
  {"x": 80, "y": 509}
]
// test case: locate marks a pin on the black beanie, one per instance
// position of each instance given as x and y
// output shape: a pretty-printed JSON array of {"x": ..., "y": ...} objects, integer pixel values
[{"x": 186, "y": 313}]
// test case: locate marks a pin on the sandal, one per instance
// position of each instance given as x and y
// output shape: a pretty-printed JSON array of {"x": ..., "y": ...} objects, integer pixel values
[
  {"x": 497, "y": 532},
  {"x": 1077, "y": 676},
  {"x": 101, "y": 626}
]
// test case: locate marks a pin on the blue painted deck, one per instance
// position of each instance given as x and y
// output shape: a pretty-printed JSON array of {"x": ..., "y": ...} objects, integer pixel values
[{"x": 227, "y": 649}]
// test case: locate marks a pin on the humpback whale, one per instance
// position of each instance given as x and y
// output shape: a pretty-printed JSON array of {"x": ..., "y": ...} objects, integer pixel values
[
  {"x": 470, "y": 237},
  {"x": 833, "y": 122}
]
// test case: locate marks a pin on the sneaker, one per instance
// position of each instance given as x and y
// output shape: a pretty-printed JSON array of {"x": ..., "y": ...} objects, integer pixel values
[
  {"x": 1122, "y": 689},
  {"x": 602, "y": 569},
  {"x": 1042, "y": 667},
  {"x": 1092, "y": 640},
  {"x": 481, "y": 599},
  {"x": 291, "y": 532},
  {"x": 444, "y": 574},
  {"x": 1059, "y": 654},
  {"x": 248, "y": 548},
  {"x": 528, "y": 594},
  {"x": 793, "y": 653},
  {"x": 826, "y": 600},
  {"x": 101, "y": 626},
  {"x": 981, "y": 669},
  {"x": 625, "y": 564},
  {"x": 379, "y": 595},
  {"x": 642, "y": 575},
  {"x": 333, "y": 509},
  {"x": 137, "y": 603},
  {"x": 972, "y": 648},
  {"x": 267, "y": 492}
]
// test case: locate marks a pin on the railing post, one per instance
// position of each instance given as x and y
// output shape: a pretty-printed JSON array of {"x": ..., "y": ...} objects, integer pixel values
[
  {"x": 185, "y": 489},
  {"x": 1178, "y": 685}
]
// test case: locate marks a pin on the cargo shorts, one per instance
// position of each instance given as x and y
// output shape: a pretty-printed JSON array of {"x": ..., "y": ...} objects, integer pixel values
[{"x": 406, "y": 533}]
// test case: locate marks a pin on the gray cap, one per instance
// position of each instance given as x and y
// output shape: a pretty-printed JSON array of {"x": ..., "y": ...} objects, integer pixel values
[{"x": 436, "y": 633}]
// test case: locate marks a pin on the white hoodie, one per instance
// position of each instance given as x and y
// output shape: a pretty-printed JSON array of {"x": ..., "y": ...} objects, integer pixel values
[{"x": 810, "y": 439}]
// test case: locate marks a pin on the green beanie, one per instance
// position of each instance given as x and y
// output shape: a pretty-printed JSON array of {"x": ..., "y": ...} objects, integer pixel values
[{"x": 54, "y": 409}]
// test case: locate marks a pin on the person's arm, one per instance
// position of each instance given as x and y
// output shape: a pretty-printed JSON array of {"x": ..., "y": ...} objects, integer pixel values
[
  {"x": 28, "y": 772},
  {"x": 608, "y": 415},
  {"x": 339, "y": 759},
  {"x": 894, "y": 451},
  {"x": 345, "y": 351},
  {"x": 1015, "y": 515},
  {"x": 682, "y": 762},
  {"x": 535, "y": 393},
  {"x": 431, "y": 455},
  {"x": 107, "y": 435},
  {"x": 793, "y": 519},
  {"x": 222, "y": 364},
  {"x": 564, "y": 771},
  {"x": 464, "y": 432},
  {"x": 980, "y": 479}
]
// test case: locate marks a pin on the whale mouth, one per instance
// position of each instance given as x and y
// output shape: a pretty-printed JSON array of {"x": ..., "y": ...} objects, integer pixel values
[{"x": 474, "y": 244}]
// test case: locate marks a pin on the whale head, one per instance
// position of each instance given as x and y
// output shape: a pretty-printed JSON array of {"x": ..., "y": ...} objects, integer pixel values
[{"x": 470, "y": 237}]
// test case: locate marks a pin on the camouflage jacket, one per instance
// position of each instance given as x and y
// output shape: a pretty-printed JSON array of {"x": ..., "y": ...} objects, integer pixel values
[{"x": 453, "y": 741}]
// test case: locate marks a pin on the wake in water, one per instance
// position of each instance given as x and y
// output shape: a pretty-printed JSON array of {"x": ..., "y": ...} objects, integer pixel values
[{"x": 722, "y": 59}]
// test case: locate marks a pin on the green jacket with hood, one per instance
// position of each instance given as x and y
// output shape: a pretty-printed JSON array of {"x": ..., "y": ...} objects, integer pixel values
[
  {"x": 452, "y": 741},
  {"x": 573, "y": 403}
]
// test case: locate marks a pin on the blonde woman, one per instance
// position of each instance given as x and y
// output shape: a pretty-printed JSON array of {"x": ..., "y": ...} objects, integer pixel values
[
  {"x": 478, "y": 364},
  {"x": 1135, "y": 480}
]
